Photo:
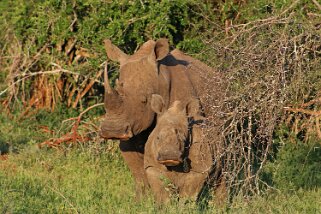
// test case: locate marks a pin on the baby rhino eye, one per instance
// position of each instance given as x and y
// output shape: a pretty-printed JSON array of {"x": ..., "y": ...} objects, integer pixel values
[
  {"x": 176, "y": 131},
  {"x": 143, "y": 99}
]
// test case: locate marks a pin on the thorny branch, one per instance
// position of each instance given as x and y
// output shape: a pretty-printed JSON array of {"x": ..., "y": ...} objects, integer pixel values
[{"x": 263, "y": 76}]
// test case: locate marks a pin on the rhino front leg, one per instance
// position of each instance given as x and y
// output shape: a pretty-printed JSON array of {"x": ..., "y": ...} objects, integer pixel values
[
  {"x": 220, "y": 193},
  {"x": 134, "y": 158},
  {"x": 157, "y": 182},
  {"x": 191, "y": 184}
]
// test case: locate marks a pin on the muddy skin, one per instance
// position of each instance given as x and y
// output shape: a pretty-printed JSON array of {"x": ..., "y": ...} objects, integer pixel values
[
  {"x": 165, "y": 150},
  {"x": 153, "y": 69}
]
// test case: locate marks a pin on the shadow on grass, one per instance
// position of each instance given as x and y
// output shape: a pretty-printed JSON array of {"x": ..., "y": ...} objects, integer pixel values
[{"x": 4, "y": 147}]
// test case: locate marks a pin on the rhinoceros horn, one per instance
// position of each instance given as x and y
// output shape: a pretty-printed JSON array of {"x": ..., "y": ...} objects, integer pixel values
[
  {"x": 108, "y": 88},
  {"x": 112, "y": 99}
]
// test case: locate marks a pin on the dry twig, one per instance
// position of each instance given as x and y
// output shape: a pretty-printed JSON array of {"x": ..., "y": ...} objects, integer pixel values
[
  {"x": 266, "y": 65},
  {"x": 73, "y": 136}
]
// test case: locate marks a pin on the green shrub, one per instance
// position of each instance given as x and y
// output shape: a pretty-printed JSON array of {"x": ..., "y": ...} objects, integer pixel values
[
  {"x": 45, "y": 35},
  {"x": 296, "y": 166},
  {"x": 127, "y": 23}
]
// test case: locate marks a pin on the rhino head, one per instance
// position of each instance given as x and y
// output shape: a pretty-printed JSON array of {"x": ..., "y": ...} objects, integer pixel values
[
  {"x": 171, "y": 132},
  {"x": 128, "y": 109}
]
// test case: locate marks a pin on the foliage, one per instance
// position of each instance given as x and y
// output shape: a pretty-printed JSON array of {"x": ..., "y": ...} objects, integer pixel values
[
  {"x": 296, "y": 166},
  {"x": 53, "y": 49}
]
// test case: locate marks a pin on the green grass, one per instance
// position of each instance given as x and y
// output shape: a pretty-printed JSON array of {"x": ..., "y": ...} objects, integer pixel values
[
  {"x": 302, "y": 201},
  {"x": 94, "y": 179},
  {"x": 86, "y": 179},
  {"x": 79, "y": 180},
  {"x": 16, "y": 132}
]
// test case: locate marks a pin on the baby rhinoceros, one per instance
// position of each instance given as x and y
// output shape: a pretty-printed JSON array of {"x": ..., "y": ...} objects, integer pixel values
[{"x": 174, "y": 143}]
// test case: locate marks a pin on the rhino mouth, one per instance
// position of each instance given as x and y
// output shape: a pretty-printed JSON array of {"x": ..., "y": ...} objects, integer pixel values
[
  {"x": 112, "y": 131},
  {"x": 169, "y": 158},
  {"x": 123, "y": 136},
  {"x": 116, "y": 137},
  {"x": 169, "y": 162}
]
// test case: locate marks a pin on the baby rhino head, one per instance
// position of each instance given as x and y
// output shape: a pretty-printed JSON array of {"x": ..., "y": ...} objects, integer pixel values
[{"x": 171, "y": 131}]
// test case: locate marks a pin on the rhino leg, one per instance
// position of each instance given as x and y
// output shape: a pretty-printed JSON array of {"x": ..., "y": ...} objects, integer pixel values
[
  {"x": 220, "y": 193},
  {"x": 156, "y": 181},
  {"x": 191, "y": 184},
  {"x": 133, "y": 155}
]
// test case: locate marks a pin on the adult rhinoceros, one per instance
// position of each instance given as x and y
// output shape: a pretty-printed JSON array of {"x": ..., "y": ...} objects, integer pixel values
[{"x": 151, "y": 70}]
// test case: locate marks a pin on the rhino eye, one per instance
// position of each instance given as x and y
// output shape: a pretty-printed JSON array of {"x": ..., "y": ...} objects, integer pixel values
[
  {"x": 176, "y": 131},
  {"x": 144, "y": 100}
]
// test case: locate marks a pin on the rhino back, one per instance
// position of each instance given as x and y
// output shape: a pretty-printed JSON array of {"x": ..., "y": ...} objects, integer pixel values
[
  {"x": 181, "y": 79},
  {"x": 199, "y": 74},
  {"x": 189, "y": 78}
]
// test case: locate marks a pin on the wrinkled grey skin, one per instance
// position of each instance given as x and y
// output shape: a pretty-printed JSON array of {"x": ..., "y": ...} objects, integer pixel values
[
  {"x": 164, "y": 151},
  {"x": 129, "y": 117}
]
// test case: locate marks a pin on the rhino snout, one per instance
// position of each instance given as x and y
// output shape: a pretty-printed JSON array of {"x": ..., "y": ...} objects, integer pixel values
[
  {"x": 120, "y": 133},
  {"x": 170, "y": 158}
]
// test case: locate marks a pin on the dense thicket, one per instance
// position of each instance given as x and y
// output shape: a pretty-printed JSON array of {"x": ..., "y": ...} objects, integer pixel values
[{"x": 273, "y": 79}]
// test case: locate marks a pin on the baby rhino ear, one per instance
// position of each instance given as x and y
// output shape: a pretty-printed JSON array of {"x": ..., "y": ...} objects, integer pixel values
[
  {"x": 192, "y": 108},
  {"x": 157, "y": 104}
]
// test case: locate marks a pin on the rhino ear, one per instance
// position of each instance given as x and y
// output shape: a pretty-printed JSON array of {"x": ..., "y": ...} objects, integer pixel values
[
  {"x": 192, "y": 107},
  {"x": 114, "y": 53},
  {"x": 157, "y": 104},
  {"x": 161, "y": 49}
]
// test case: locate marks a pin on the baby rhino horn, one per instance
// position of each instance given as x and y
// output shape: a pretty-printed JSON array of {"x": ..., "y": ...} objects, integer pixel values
[{"x": 179, "y": 107}]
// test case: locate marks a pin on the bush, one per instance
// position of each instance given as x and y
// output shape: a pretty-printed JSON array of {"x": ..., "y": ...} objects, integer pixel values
[
  {"x": 296, "y": 166},
  {"x": 54, "y": 48},
  {"x": 272, "y": 77}
]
